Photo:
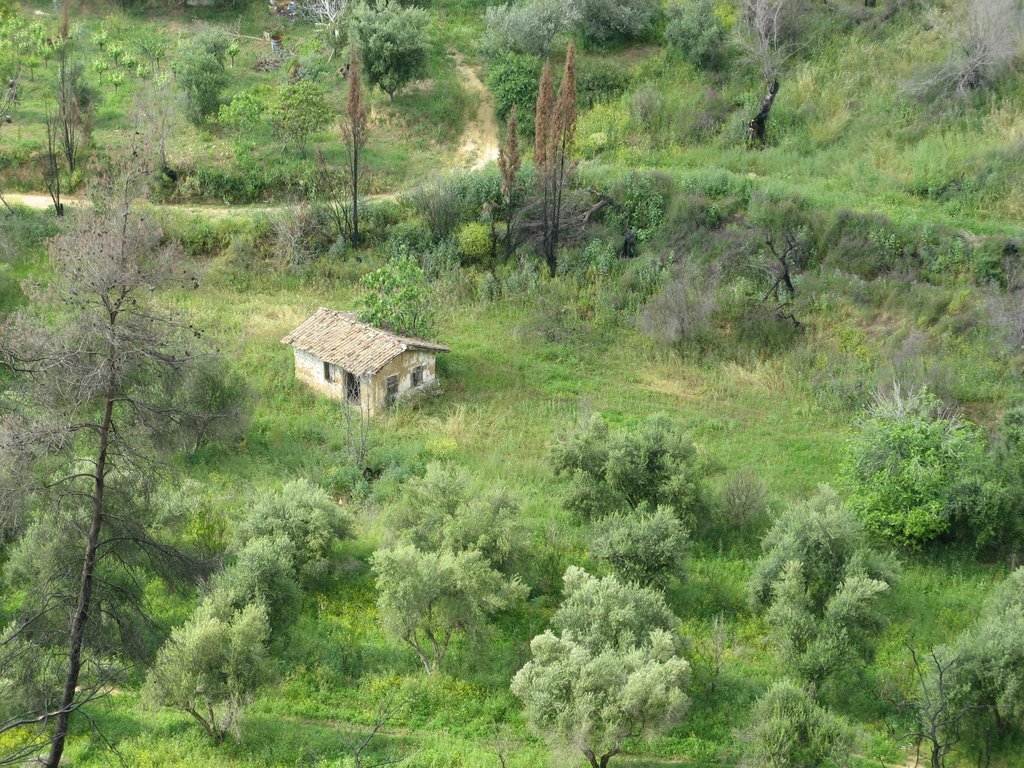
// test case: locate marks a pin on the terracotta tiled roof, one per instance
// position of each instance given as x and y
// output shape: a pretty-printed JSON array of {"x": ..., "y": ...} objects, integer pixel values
[{"x": 342, "y": 339}]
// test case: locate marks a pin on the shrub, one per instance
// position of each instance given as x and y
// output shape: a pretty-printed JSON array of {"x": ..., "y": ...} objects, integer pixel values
[
  {"x": 474, "y": 242},
  {"x": 514, "y": 81},
  {"x": 640, "y": 203},
  {"x": 788, "y": 729},
  {"x": 646, "y": 547},
  {"x": 682, "y": 311},
  {"x": 441, "y": 205},
  {"x": 695, "y": 31},
  {"x": 606, "y": 21},
  {"x": 918, "y": 473},
  {"x": 598, "y": 81},
  {"x": 743, "y": 503},
  {"x": 528, "y": 27}
]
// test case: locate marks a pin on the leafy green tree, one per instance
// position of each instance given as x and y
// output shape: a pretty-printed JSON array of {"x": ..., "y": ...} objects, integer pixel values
[
  {"x": 425, "y": 599},
  {"x": 300, "y": 111},
  {"x": 917, "y": 474},
  {"x": 393, "y": 43},
  {"x": 398, "y": 297},
  {"x": 696, "y": 32},
  {"x": 654, "y": 464},
  {"x": 788, "y": 729},
  {"x": 242, "y": 116},
  {"x": 820, "y": 580},
  {"x": 220, "y": 404},
  {"x": 447, "y": 509},
  {"x": 212, "y": 664},
  {"x": 303, "y": 513},
  {"x": 200, "y": 73},
  {"x": 643, "y": 547},
  {"x": 612, "y": 672}
]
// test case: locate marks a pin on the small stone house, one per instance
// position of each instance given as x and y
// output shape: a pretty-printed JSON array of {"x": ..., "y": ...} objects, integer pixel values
[{"x": 340, "y": 356}]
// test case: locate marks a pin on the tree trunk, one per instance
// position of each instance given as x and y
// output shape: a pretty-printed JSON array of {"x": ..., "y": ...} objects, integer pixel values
[
  {"x": 757, "y": 128},
  {"x": 355, "y": 192},
  {"x": 81, "y": 615}
]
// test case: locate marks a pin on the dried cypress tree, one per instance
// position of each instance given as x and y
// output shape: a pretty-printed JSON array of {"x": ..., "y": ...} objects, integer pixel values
[
  {"x": 562, "y": 137},
  {"x": 509, "y": 162},
  {"x": 355, "y": 133},
  {"x": 542, "y": 159}
]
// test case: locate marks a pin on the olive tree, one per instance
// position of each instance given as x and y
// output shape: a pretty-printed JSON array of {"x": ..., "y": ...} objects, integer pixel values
[
  {"x": 654, "y": 463},
  {"x": 304, "y": 513},
  {"x": 644, "y": 547},
  {"x": 788, "y": 729},
  {"x": 450, "y": 509},
  {"x": 820, "y": 580},
  {"x": 212, "y": 664},
  {"x": 425, "y": 599},
  {"x": 612, "y": 672}
]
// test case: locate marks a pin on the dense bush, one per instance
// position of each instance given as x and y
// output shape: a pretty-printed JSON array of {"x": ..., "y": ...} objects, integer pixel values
[
  {"x": 918, "y": 473},
  {"x": 640, "y": 200},
  {"x": 653, "y": 464},
  {"x": 607, "y": 21},
  {"x": 301, "y": 109},
  {"x": 528, "y": 27},
  {"x": 474, "y": 242},
  {"x": 305, "y": 514},
  {"x": 513, "y": 79},
  {"x": 598, "y": 81},
  {"x": 398, "y": 297},
  {"x": 695, "y": 31}
]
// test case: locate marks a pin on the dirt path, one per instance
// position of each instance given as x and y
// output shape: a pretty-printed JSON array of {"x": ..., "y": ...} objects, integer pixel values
[
  {"x": 477, "y": 147},
  {"x": 479, "y": 144}
]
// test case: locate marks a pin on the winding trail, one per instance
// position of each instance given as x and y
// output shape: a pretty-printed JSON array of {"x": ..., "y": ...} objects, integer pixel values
[
  {"x": 479, "y": 143},
  {"x": 478, "y": 146}
]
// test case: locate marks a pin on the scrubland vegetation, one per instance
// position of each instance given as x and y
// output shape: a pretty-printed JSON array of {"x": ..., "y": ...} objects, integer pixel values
[{"x": 725, "y": 466}]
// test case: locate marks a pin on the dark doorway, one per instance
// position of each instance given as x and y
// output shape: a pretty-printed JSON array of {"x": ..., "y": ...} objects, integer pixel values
[{"x": 392, "y": 391}]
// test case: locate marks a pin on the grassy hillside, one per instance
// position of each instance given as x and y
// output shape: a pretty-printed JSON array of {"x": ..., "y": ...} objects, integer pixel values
[{"x": 907, "y": 214}]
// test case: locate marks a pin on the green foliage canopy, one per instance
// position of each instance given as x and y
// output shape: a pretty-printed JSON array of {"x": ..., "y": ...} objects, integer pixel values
[
  {"x": 398, "y": 297},
  {"x": 392, "y": 41}
]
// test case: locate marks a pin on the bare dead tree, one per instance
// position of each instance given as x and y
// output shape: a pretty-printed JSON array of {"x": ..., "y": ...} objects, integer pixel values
[
  {"x": 358, "y": 434},
  {"x": 935, "y": 719},
  {"x": 358, "y": 744},
  {"x": 51, "y": 164},
  {"x": 89, "y": 405},
  {"x": 6, "y": 107},
  {"x": 501, "y": 744},
  {"x": 331, "y": 195},
  {"x": 768, "y": 51},
  {"x": 785, "y": 261},
  {"x": 987, "y": 43},
  {"x": 327, "y": 16},
  {"x": 159, "y": 110}
]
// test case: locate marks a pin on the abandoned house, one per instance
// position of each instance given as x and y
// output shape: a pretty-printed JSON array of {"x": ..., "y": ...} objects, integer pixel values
[{"x": 337, "y": 354}]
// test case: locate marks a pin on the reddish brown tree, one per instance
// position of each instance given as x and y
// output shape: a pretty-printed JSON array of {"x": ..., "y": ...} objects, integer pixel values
[
  {"x": 509, "y": 162},
  {"x": 354, "y": 130}
]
